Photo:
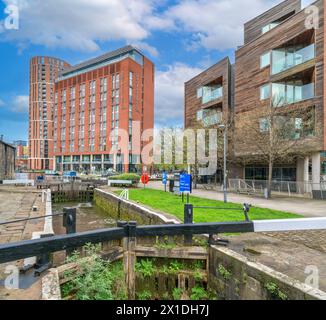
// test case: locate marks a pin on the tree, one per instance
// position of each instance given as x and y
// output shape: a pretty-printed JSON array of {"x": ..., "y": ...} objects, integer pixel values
[{"x": 273, "y": 133}]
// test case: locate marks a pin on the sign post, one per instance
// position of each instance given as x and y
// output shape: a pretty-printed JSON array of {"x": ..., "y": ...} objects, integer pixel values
[
  {"x": 145, "y": 179},
  {"x": 164, "y": 180},
  {"x": 185, "y": 185}
]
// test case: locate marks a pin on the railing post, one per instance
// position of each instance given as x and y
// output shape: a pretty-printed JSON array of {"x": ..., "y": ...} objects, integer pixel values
[
  {"x": 188, "y": 219},
  {"x": 129, "y": 256},
  {"x": 43, "y": 261}
]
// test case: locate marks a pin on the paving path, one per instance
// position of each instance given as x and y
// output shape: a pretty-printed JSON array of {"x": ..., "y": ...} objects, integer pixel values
[
  {"x": 14, "y": 205},
  {"x": 305, "y": 207}
]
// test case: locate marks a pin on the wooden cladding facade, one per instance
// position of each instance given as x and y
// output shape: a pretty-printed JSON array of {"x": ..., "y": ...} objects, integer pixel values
[
  {"x": 222, "y": 70},
  {"x": 253, "y": 28},
  {"x": 250, "y": 76}
]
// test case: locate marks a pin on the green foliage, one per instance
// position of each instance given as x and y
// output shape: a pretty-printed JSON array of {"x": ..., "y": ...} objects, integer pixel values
[
  {"x": 199, "y": 293},
  {"x": 175, "y": 266},
  {"x": 275, "y": 291},
  {"x": 145, "y": 268},
  {"x": 95, "y": 279},
  {"x": 223, "y": 272},
  {"x": 144, "y": 295},
  {"x": 198, "y": 275},
  {"x": 135, "y": 178},
  {"x": 177, "y": 293},
  {"x": 166, "y": 296}
]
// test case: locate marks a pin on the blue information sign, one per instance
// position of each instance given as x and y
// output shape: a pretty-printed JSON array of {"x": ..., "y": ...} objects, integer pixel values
[
  {"x": 164, "y": 178},
  {"x": 185, "y": 183},
  {"x": 70, "y": 174}
]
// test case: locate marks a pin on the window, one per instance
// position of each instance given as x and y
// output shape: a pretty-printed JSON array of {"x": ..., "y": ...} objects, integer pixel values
[
  {"x": 200, "y": 115},
  {"x": 199, "y": 93},
  {"x": 264, "y": 125},
  {"x": 265, "y": 92},
  {"x": 265, "y": 60},
  {"x": 269, "y": 27}
]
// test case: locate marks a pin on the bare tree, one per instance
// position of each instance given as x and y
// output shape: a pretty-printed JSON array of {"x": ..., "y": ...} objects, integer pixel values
[{"x": 273, "y": 133}]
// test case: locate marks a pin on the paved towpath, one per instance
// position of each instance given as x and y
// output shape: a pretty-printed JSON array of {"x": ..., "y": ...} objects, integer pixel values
[
  {"x": 305, "y": 207},
  {"x": 16, "y": 204}
]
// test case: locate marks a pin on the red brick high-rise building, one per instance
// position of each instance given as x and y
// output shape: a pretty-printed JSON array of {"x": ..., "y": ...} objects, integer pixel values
[
  {"x": 43, "y": 73},
  {"x": 97, "y": 100}
]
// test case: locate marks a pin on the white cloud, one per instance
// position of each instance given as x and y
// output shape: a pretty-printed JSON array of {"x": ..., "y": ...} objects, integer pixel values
[
  {"x": 20, "y": 104},
  {"x": 216, "y": 24},
  {"x": 82, "y": 24},
  {"x": 169, "y": 93},
  {"x": 145, "y": 47},
  {"x": 2, "y": 103}
]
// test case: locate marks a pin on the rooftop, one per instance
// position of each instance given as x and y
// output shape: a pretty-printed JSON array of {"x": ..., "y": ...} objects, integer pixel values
[{"x": 105, "y": 59}]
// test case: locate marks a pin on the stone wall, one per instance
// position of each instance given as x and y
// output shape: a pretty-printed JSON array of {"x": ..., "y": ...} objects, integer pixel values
[
  {"x": 123, "y": 210},
  {"x": 7, "y": 161},
  {"x": 234, "y": 277}
]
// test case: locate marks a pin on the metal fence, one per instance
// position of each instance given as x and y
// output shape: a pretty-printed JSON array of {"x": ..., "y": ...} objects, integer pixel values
[{"x": 289, "y": 188}]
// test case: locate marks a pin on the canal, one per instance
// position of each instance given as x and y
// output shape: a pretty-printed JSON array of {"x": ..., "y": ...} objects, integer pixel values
[{"x": 89, "y": 217}]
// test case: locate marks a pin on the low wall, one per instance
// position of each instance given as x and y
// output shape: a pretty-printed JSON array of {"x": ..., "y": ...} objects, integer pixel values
[
  {"x": 234, "y": 277},
  {"x": 124, "y": 210}
]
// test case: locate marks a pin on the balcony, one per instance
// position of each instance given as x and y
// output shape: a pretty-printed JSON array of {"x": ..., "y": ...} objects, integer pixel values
[
  {"x": 286, "y": 58},
  {"x": 292, "y": 92},
  {"x": 211, "y": 93}
]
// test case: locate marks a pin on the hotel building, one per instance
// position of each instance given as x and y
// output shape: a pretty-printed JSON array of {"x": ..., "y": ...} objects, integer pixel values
[{"x": 95, "y": 104}]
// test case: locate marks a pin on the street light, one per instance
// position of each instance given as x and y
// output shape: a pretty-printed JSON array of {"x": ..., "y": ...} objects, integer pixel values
[{"x": 224, "y": 128}]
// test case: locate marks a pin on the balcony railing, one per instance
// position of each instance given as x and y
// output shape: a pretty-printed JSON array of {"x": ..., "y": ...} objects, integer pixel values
[
  {"x": 284, "y": 59},
  {"x": 211, "y": 94},
  {"x": 288, "y": 93}
]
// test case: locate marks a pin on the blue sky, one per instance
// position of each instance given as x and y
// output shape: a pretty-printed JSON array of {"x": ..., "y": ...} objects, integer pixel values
[{"x": 181, "y": 37}]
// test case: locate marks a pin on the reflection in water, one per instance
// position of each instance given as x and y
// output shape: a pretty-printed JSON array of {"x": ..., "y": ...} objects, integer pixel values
[{"x": 89, "y": 217}]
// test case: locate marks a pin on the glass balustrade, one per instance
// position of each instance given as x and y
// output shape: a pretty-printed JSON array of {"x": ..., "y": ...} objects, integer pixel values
[
  {"x": 211, "y": 93},
  {"x": 286, "y": 58},
  {"x": 291, "y": 93}
]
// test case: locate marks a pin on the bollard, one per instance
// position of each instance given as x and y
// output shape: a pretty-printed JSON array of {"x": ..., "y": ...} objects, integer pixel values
[
  {"x": 69, "y": 222},
  {"x": 188, "y": 219},
  {"x": 246, "y": 209}
]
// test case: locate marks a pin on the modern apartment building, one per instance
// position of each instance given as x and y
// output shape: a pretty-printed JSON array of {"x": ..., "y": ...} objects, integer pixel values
[
  {"x": 208, "y": 96},
  {"x": 97, "y": 103},
  {"x": 282, "y": 57},
  {"x": 43, "y": 73}
]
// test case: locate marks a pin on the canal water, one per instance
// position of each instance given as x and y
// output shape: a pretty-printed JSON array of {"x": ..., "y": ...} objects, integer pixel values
[{"x": 89, "y": 217}]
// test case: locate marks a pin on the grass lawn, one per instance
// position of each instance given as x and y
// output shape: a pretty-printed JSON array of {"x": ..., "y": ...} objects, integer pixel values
[{"x": 172, "y": 204}]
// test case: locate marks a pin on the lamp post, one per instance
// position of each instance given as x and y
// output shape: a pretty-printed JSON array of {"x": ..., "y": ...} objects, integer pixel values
[{"x": 223, "y": 127}]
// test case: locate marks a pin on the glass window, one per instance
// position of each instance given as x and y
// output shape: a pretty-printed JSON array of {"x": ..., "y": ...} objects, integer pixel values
[
  {"x": 200, "y": 115},
  {"x": 265, "y": 92},
  {"x": 265, "y": 60},
  {"x": 263, "y": 125},
  {"x": 199, "y": 93}
]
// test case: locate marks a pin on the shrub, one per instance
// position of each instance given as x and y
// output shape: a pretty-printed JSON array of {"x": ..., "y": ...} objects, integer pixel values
[
  {"x": 199, "y": 293},
  {"x": 145, "y": 268},
  {"x": 135, "y": 178},
  {"x": 96, "y": 279}
]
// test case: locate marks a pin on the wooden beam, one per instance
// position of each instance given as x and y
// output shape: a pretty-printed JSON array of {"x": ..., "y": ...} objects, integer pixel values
[{"x": 193, "y": 253}]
